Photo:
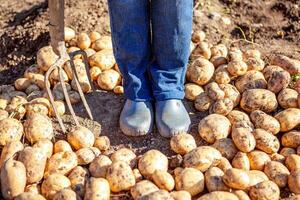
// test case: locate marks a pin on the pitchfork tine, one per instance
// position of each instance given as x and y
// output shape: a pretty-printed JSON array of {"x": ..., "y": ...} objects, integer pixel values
[{"x": 48, "y": 89}]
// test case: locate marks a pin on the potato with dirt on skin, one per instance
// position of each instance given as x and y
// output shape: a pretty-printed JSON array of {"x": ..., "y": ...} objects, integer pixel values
[
  {"x": 61, "y": 146},
  {"x": 203, "y": 102},
  {"x": 34, "y": 161},
  {"x": 108, "y": 79},
  {"x": 202, "y": 49},
  {"x": 258, "y": 159},
  {"x": 213, "y": 180},
  {"x": 83, "y": 41},
  {"x": 288, "y": 119},
  {"x": 118, "y": 89},
  {"x": 94, "y": 73},
  {"x": 200, "y": 71},
  {"x": 202, "y": 158},
  {"x": 38, "y": 105},
  {"x": 241, "y": 161},
  {"x": 99, "y": 165},
  {"x": 242, "y": 136},
  {"x": 221, "y": 75},
  {"x": 237, "y": 68},
  {"x": 33, "y": 188},
  {"x": 278, "y": 80},
  {"x": 241, "y": 194},
  {"x": 264, "y": 121},
  {"x": 3, "y": 114},
  {"x": 31, "y": 88},
  {"x": 226, "y": 147},
  {"x": 198, "y": 36},
  {"x": 181, "y": 195},
  {"x": 83, "y": 79},
  {"x": 266, "y": 190},
  {"x": 142, "y": 188},
  {"x": 288, "y": 64},
  {"x": 163, "y": 180},
  {"x": 120, "y": 176},
  {"x": 237, "y": 116},
  {"x": 292, "y": 162},
  {"x": 54, "y": 77},
  {"x": 277, "y": 173},
  {"x": 152, "y": 160},
  {"x": 74, "y": 97},
  {"x": 217, "y": 61},
  {"x": 214, "y": 91},
  {"x": 11, "y": 130},
  {"x": 126, "y": 155},
  {"x": 259, "y": 99},
  {"x": 69, "y": 33},
  {"x": 190, "y": 180},
  {"x": 103, "y": 59},
  {"x": 291, "y": 139},
  {"x": 94, "y": 35},
  {"x": 255, "y": 64},
  {"x": 17, "y": 106},
  {"x": 22, "y": 84},
  {"x": 61, "y": 162},
  {"x": 102, "y": 143},
  {"x": 159, "y": 194},
  {"x": 214, "y": 127},
  {"x": 224, "y": 164},
  {"x": 286, "y": 151},
  {"x": 53, "y": 184},
  {"x": 86, "y": 155},
  {"x": 10, "y": 150},
  {"x": 29, "y": 195},
  {"x": 46, "y": 145},
  {"x": 256, "y": 177},
  {"x": 294, "y": 197},
  {"x": 102, "y": 43},
  {"x": 219, "y": 50},
  {"x": 37, "y": 127},
  {"x": 80, "y": 137},
  {"x": 182, "y": 143},
  {"x": 78, "y": 178},
  {"x": 277, "y": 157},
  {"x": 288, "y": 98},
  {"x": 13, "y": 178},
  {"x": 266, "y": 141},
  {"x": 97, "y": 188},
  {"x": 45, "y": 58},
  {"x": 60, "y": 107},
  {"x": 231, "y": 92},
  {"x": 251, "y": 80},
  {"x": 294, "y": 181},
  {"x": 192, "y": 90},
  {"x": 219, "y": 195},
  {"x": 236, "y": 178},
  {"x": 66, "y": 194},
  {"x": 222, "y": 107}
]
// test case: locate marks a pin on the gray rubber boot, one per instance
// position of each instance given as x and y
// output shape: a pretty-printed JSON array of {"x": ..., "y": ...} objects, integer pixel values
[
  {"x": 137, "y": 118},
  {"x": 171, "y": 117}
]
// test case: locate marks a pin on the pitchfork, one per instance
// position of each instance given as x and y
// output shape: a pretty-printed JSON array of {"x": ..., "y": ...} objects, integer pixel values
[{"x": 56, "y": 12}]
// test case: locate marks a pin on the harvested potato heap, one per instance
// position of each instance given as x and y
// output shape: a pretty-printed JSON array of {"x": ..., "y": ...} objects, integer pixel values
[{"x": 252, "y": 148}]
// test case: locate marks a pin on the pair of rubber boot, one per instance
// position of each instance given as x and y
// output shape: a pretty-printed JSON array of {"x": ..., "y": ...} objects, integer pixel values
[{"x": 171, "y": 117}]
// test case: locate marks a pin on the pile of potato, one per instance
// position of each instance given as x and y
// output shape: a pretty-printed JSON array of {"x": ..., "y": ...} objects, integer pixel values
[{"x": 252, "y": 148}]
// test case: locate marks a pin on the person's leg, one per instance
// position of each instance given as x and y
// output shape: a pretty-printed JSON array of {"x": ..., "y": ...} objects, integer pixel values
[
  {"x": 171, "y": 34},
  {"x": 130, "y": 27}
]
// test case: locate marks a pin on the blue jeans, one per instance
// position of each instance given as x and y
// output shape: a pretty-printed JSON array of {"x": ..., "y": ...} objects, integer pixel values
[{"x": 151, "y": 41}]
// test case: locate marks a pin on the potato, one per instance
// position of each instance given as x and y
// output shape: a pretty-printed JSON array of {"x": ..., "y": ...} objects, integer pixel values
[
  {"x": 218, "y": 195},
  {"x": 294, "y": 181},
  {"x": 264, "y": 121},
  {"x": 163, "y": 180},
  {"x": 259, "y": 99},
  {"x": 74, "y": 97},
  {"x": 295, "y": 197},
  {"x": 61, "y": 146},
  {"x": 226, "y": 147},
  {"x": 219, "y": 50},
  {"x": 213, "y": 180},
  {"x": 222, "y": 106},
  {"x": 94, "y": 73},
  {"x": 238, "y": 116},
  {"x": 288, "y": 119},
  {"x": 203, "y": 50},
  {"x": 277, "y": 157},
  {"x": 29, "y": 195},
  {"x": 242, "y": 136},
  {"x": 31, "y": 88},
  {"x": 126, "y": 155},
  {"x": 236, "y": 178},
  {"x": 102, "y": 143},
  {"x": 3, "y": 114},
  {"x": 138, "y": 176},
  {"x": 61, "y": 162},
  {"x": 82, "y": 77},
  {"x": 120, "y": 176},
  {"x": 221, "y": 75},
  {"x": 37, "y": 127},
  {"x": 31, "y": 70},
  {"x": 266, "y": 141},
  {"x": 256, "y": 177},
  {"x": 65, "y": 194},
  {"x": 54, "y": 77},
  {"x": 266, "y": 190},
  {"x": 38, "y": 79},
  {"x": 38, "y": 105},
  {"x": 94, "y": 35},
  {"x": 190, "y": 180},
  {"x": 288, "y": 64},
  {"x": 182, "y": 143},
  {"x": 46, "y": 146},
  {"x": 99, "y": 165},
  {"x": 258, "y": 159},
  {"x": 255, "y": 64},
  {"x": 80, "y": 137},
  {"x": 288, "y": 98},
  {"x": 10, "y": 150},
  {"x": 53, "y": 184},
  {"x": 34, "y": 161},
  {"x": 60, "y": 106},
  {"x": 152, "y": 160},
  {"x": 11, "y": 130},
  {"x": 78, "y": 178},
  {"x": 103, "y": 59},
  {"x": 241, "y": 194},
  {"x": 83, "y": 41},
  {"x": 160, "y": 194},
  {"x": 22, "y": 84},
  {"x": 142, "y": 188},
  {"x": 192, "y": 90},
  {"x": 69, "y": 33},
  {"x": 278, "y": 80},
  {"x": 89, "y": 52},
  {"x": 224, "y": 164},
  {"x": 86, "y": 155},
  {"x": 4, "y": 101},
  {"x": 214, "y": 91},
  {"x": 251, "y": 80},
  {"x": 97, "y": 188},
  {"x": 102, "y": 43},
  {"x": 45, "y": 58},
  {"x": 198, "y": 36},
  {"x": 241, "y": 161},
  {"x": 13, "y": 178},
  {"x": 118, "y": 89},
  {"x": 202, "y": 158},
  {"x": 231, "y": 93},
  {"x": 291, "y": 139},
  {"x": 214, "y": 127},
  {"x": 201, "y": 71},
  {"x": 237, "y": 68},
  {"x": 181, "y": 195},
  {"x": 217, "y": 61},
  {"x": 277, "y": 173},
  {"x": 286, "y": 151},
  {"x": 109, "y": 79},
  {"x": 33, "y": 188},
  {"x": 203, "y": 102},
  {"x": 17, "y": 106},
  {"x": 292, "y": 162}
]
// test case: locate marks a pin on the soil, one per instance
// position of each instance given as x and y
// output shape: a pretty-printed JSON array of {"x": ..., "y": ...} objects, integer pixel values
[{"x": 273, "y": 26}]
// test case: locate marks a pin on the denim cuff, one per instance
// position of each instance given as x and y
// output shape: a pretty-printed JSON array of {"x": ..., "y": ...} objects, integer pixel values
[{"x": 169, "y": 95}]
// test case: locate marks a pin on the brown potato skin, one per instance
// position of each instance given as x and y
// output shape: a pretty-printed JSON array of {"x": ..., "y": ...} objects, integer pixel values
[
  {"x": 11, "y": 130},
  {"x": 218, "y": 195},
  {"x": 288, "y": 98},
  {"x": 291, "y": 139},
  {"x": 213, "y": 180},
  {"x": 203, "y": 102},
  {"x": 258, "y": 159},
  {"x": 181, "y": 195},
  {"x": 232, "y": 93},
  {"x": 163, "y": 180},
  {"x": 288, "y": 119},
  {"x": 182, "y": 143},
  {"x": 279, "y": 80},
  {"x": 288, "y": 64},
  {"x": 292, "y": 162},
  {"x": 65, "y": 194},
  {"x": 222, "y": 106},
  {"x": 192, "y": 90},
  {"x": 241, "y": 194},
  {"x": 9, "y": 150},
  {"x": 126, "y": 155},
  {"x": 264, "y": 121},
  {"x": 226, "y": 147},
  {"x": 242, "y": 137},
  {"x": 214, "y": 91},
  {"x": 200, "y": 71},
  {"x": 238, "y": 116},
  {"x": 142, "y": 188},
  {"x": 97, "y": 189},
  {"x": 99, "y": 165},
  {"x": 78, "y": 178},
  {"x": 256, "y": 177},
  {"x": 224, "y": 164},
  {"x": 265, "y": 190},
  {"x": 251, "y": 80},
  {"x": 29, "y": 195},
  {"x": 236, "y": 178},
  {"x": 277, "y": 173},
  {"x": 266, "y": 141},
  {"x": 241, "y": 161}
]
